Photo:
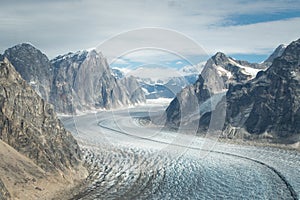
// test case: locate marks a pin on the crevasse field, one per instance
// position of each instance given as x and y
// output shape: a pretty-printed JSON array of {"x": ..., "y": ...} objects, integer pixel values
[{"x": 133, "y": 160}]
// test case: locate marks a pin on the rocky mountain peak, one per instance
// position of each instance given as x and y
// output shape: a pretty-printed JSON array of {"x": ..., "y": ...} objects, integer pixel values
[
  {"x": 33, "y": 66},
  {"x": 24, "y": 46},
  {"x": 72, "y": 82},
  {"x": 287, "y": 65},
  {"x": 93, "y": 52},
  {"x": 219, "y": 58},
  {"x": 220, "y": 73},
  {"x": 276, "y": 53},
  {"x": 83, "y": 81},
  {"x": 269, "y": 104},
  {"x": 79, "y": 57},
  {"x": 292, "y": 53}
]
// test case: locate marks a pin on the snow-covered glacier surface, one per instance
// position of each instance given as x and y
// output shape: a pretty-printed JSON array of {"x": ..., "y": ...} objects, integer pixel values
[{"x": 134, "y": 161}]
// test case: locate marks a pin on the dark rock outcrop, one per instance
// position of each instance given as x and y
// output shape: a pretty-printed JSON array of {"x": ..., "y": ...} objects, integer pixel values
[
  {"x": 4, "y": 194},
  {"x": 277, "y": 53},
  {"x": 270, "y": 103},
  {"x": 186, "y": 103},
  {"x": 34, "y": 67},
  {"x": 29, "y": 124}
]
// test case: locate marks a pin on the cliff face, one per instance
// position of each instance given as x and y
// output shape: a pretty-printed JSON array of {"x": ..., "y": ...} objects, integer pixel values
[
  {"x": 187, "y": 103},
  {"x": 72, "y": 82},
  {"x": 218, "y": 74},
  {"x": 277, "y": 53},
  {"x": 134, "y": 90},
  {"x": 270, "y": 103},
  {"x": 83, "y": 81},
  {"x": 38, "y": 156},
  {"x": 34, "y": 67},
  {"x": 30, "y": 126},
  {"x": 220, "y": 71}
]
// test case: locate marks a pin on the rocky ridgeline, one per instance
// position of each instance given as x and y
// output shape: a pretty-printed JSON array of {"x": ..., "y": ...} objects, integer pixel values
[
  {"x": 268, "y": 105},
  {"x": 33, "y": 65},
  {"x": 30, "y": 126},
  {"x": 186, "y": 103},
  {"x": 278, "y": 52},
  {"x": 258, "y": 105},
  {"x": 136, "y": 94},
  {"x": 72, "y": 82},
  {"x": 218, "y": 74}
]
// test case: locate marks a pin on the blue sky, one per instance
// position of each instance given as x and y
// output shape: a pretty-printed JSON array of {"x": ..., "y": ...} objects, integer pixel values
[
  {"x": 248, "y": 30},
  {"x": 253, "y": 18}
]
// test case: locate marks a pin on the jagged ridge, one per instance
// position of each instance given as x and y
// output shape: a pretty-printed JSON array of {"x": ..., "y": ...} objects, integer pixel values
[
  {"x": 270, "y": 103},
  {"x": 72, "y": 82},
  {"x": 30, "y": 125},
  {"x": 218, "y": 74}
]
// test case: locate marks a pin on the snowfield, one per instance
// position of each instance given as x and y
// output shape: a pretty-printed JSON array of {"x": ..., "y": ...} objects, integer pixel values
[{"x": 133, "y": 160}]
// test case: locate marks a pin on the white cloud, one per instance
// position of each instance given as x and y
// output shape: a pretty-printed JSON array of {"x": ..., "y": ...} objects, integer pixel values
[
  {"x": 151, "y": 45},
  {"x": 149, "y": 56},
  {"x": 58, "y": 27},
  {"x": 154, "y": 73},
  {"x": 120, "y": 61}
]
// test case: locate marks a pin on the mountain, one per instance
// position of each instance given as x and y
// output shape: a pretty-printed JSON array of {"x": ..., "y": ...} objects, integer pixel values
[
  {"x": 87, "y": 76},
  {"x": 160, "y": 82},
  {"x": 221, "y": 71},
  {"x": 218, "y": 74},
  {"x": 72, "y": 82},
  {"x": 135, "y": 92},
  {"x": 277, "y": 53},
  {"x": 34, "y": 67},
  {"x": 34, "y": 145},
  {"x": 186, "y": 102},
  {"x": 83, "y": 81},
  {"x": 268, "y": 105}
]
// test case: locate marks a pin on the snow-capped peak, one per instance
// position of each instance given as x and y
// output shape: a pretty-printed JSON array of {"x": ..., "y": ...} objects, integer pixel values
[{"x": 247, "y": 70}]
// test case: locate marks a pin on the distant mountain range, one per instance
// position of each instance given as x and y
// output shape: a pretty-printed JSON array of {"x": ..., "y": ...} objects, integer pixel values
[
  {"x": 73, "y": 82},
  {"x": 161, "y": 82},
  {"x": 261, "y": 106},
  {"x": 166, "y": 83}
]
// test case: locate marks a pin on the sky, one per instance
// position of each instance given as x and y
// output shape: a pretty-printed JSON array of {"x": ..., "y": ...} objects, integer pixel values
[{"x": 178, "y": 32}]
